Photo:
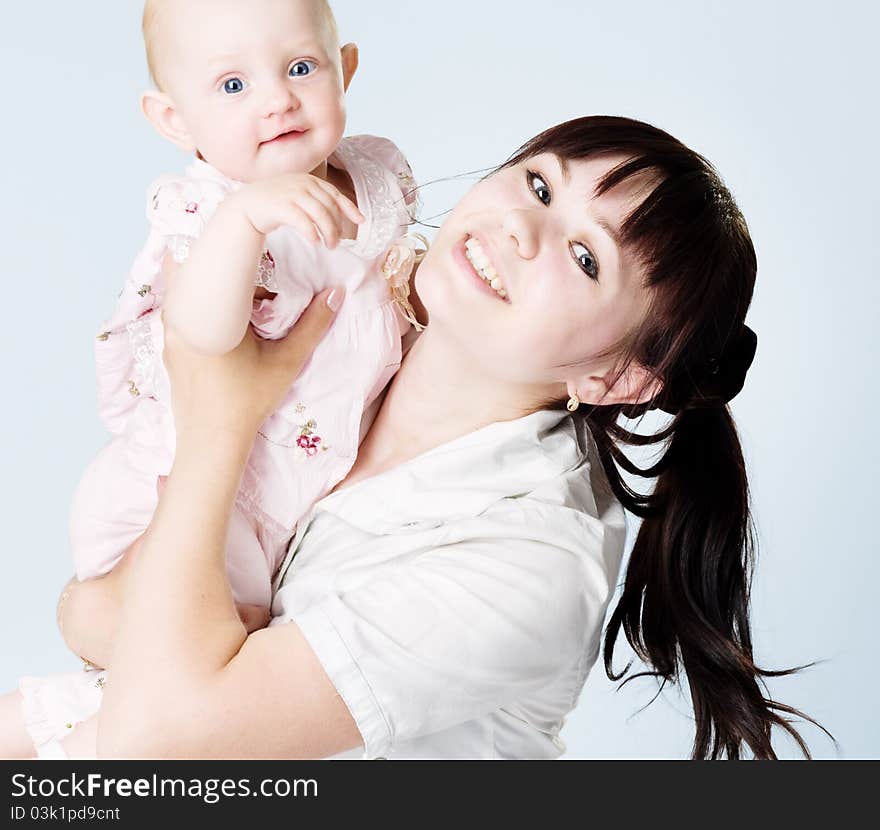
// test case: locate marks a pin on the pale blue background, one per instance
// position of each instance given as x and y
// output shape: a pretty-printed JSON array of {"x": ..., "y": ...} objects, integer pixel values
[{"x": 781, "y": 96}]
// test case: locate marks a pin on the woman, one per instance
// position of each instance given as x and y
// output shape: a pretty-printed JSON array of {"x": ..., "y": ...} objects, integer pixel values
[{"x": 461, "y": 618}]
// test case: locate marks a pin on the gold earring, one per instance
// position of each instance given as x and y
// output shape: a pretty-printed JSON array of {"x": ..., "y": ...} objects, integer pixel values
[{"x": 573, "y": 403}]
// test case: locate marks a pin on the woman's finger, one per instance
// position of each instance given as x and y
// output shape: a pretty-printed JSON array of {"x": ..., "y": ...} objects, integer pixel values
[{"x": 292, "y": 352}]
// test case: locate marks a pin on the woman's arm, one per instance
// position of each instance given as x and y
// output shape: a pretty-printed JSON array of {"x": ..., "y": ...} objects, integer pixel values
[
  {"x": 89, "y": 612},
  {"x": 187, "y": 681}
]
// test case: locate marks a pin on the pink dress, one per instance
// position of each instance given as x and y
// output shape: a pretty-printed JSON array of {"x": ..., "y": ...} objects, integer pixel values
[
  {"x": 309, "y": 444},
  {"x": 305, "y": 448}
]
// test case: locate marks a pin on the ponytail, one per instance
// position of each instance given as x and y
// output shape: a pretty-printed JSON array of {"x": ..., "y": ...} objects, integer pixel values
[{"x": 685, "y": 602}]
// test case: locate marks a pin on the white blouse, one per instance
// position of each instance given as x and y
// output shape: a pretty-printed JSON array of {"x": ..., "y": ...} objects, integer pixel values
[{"x": 456, "y": 601}]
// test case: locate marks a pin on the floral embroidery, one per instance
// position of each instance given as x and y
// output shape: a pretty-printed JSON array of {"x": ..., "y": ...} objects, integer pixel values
[
  {"x": 307, "y": 444},
  {"x": 144, "y": 290},
  {"x": 266, "y": 272},
  {"x": 179, "y": 246},
  {"x": 192, "y": 207},
  {"x": 310, "y": 445}
]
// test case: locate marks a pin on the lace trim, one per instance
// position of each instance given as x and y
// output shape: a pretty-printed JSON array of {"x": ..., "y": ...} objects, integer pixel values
[
  {"x": 248, "y": 500},
  {"x": 385, "y": 220},
  {"x": 412, "y": 196},
  {"x": 144, "y": 353},
  {"x": 266, "y": 272},
  {"x": 179, "y": 247}
]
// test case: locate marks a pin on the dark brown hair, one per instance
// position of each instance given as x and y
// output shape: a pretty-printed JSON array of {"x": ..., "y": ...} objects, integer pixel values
[{"x": 685, "y": 600}]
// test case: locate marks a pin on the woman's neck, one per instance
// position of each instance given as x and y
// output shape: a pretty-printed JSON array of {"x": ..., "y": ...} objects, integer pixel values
[{"x": 437, "y": 396}]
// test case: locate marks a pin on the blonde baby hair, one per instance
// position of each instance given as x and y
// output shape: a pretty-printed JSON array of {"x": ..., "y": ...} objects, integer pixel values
[{"x": 155, "y": 12}]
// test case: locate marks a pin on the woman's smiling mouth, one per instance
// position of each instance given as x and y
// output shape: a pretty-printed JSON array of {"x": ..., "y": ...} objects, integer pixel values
[{"x": 482, "y": 267}]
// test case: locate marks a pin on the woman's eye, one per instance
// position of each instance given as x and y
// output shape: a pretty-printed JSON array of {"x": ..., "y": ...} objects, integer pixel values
[
  {"x": 301, "y": 69},
  {"x": 539, "y": 187},
  {"x": 585, "y": 260},
  {"x": 233, "y": 86}
]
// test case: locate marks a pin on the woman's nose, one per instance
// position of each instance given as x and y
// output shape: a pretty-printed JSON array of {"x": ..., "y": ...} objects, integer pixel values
[{"x": 519, "y": 227}]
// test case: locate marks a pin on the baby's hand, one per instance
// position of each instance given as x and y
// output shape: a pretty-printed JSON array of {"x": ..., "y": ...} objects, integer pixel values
[{"x": 313, "y": 207}]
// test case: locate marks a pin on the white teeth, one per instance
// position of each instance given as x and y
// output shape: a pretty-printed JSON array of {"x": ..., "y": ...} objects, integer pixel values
[{"x": 477, "y": 257}]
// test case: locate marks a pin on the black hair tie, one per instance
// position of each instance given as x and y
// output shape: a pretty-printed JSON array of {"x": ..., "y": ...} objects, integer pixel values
[
  {"x": 721, "y": 379},
  {"x": 728, "y": 374}
]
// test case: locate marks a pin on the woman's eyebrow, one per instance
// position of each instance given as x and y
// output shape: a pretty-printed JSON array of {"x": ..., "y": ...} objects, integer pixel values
[
  {"x": 563, "y": 167},
  {"x": 600, "y": 220},
  {"x": 613, "y": 232}
]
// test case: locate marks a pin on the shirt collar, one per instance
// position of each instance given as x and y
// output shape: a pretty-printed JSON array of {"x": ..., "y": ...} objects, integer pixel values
[{"x": 463, "y": 477}]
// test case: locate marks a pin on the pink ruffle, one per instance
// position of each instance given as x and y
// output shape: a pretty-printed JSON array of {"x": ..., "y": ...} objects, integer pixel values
[{"x": 51, "y": 706}]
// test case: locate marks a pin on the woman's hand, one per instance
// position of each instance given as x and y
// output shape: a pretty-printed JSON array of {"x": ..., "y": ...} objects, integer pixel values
[{"x": 234, "y": 393}]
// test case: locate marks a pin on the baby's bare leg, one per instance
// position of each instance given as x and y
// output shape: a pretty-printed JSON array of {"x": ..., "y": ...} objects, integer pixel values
[{"x": 15, "y": 742}]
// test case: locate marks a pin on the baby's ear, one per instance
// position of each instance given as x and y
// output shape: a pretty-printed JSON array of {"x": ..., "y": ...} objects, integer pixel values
[
  {"x": 160, "y": 111},
  {"x": 349, "y": 55}
]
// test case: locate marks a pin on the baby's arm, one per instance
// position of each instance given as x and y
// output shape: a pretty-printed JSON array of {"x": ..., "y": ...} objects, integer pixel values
[
  {"x": 209, "y": 298},
  {"x": 89, "y": 612}
]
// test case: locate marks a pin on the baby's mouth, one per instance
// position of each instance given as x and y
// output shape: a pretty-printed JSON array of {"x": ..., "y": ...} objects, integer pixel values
[{"x": 287, "y": 135}]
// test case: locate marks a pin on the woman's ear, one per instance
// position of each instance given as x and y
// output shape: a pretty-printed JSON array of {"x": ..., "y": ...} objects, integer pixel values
[
  {"x": 636, "y": 385},
  {"x": 349, "y": 55},
  {"x": 160, "y": 111}
]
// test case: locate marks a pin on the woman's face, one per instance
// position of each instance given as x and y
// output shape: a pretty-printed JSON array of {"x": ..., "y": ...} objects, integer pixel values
[{"x": 564, "y": 288}]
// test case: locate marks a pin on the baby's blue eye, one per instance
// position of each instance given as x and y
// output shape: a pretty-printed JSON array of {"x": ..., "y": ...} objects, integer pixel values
[
  {"x": 301, "y": 69},
  {"x": 233, "y": 86}
]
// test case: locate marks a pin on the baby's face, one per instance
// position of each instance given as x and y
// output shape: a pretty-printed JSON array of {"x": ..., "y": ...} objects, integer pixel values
[{"x": 258, "y": 84}]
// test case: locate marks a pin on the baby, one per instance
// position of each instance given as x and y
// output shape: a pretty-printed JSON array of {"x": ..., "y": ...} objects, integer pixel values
[{"x": 255, "y": 89}]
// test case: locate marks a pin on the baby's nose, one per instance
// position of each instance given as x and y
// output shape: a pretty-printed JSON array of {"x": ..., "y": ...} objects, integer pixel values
[{"x": 279, "y": 98}]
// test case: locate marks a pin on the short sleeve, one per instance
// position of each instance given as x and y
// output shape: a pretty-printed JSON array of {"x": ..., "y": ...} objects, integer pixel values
[
  {"x": 179, "y": 207},
  {"x": 451, "y": 635}
]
